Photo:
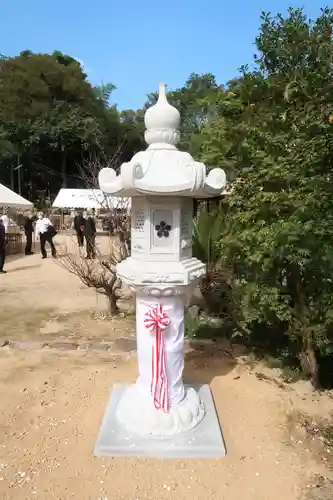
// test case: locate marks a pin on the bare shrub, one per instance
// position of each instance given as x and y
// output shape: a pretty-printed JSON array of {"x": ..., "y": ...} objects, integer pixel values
[{"x": 98, "y": 273}]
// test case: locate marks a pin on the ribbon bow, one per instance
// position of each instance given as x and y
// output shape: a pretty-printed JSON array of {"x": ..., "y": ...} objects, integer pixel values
[{"x": 156, "y": 320}]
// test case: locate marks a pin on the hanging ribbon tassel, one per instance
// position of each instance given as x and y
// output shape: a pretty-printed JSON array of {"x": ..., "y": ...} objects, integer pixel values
[{"x": 156, "y": 320}]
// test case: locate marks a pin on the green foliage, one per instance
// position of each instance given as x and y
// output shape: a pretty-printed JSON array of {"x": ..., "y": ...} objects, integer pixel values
[
  {"x": 207, "y": 229},
  {"x": 217, "y": 286},
  {"x": 53, "y": 118},
  {"x": 279, "y": 236},
  {"x": 103, "y": 92},
  {"x": 205, "y": 328}
]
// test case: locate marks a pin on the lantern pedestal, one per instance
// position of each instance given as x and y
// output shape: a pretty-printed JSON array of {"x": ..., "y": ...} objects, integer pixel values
[{"x": 204, "y": 441}]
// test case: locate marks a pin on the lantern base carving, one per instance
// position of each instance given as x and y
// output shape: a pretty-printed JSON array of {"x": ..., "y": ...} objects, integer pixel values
[
  {"x": 137, "y": 414},
  {"x": 203, "y": 441}
]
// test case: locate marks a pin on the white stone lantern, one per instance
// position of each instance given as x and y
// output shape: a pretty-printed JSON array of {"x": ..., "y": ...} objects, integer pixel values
[{"x": 162, "y": 182}]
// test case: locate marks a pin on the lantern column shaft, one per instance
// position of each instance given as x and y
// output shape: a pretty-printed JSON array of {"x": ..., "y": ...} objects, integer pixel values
[{"x": 173, "y": 338}]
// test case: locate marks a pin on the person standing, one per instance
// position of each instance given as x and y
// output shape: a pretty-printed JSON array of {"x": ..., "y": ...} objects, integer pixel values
[
  {"x": 5, "y": 220},
  {"x": 72, "y": 215},
  {"x": 28, "y": 226},
  {"x": 89, "y": 232},
  {"x": 79, "y": 228},
  {"x": 3, "y": 242},
  {"x": 45, "y": 232}
]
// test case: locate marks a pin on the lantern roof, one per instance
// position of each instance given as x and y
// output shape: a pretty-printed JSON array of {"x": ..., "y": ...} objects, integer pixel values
[{"x": 162, "y": 169}]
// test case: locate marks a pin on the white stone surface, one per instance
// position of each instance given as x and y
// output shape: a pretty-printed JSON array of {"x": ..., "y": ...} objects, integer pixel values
[
  {"x": 148, "y": 421},
  {"x": 173, "y": 337},
  {"x": 204, "y": 441},
  {"x": 162, "y": 182},
  {"x": 186, "y": 409},
  {"x": 162, "y": 169},
  {"x": 162, "y": 122},
  {"x": 150, "y": 276},
  {"x": 177, "y": 213}
]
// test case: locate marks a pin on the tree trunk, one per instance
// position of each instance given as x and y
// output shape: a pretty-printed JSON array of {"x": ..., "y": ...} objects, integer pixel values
[
  {"x": 12, "y": 177},
  {"x": 308, "y": 361},
  {"x": 307, "y": 355},
  {"x": 63, "y": 167},
  {"x": 112, "y": 302}
]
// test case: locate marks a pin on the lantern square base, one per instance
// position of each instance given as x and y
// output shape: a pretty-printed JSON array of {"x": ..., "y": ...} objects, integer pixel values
[{"x": 204, "y": 441}]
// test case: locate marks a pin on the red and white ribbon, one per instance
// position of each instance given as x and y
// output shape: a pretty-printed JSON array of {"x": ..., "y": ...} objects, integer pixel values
[{"x": 157, "y": 321}]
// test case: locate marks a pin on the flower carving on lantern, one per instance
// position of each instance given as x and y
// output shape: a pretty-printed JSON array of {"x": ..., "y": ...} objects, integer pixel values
[{"x": 163, "y": 229}]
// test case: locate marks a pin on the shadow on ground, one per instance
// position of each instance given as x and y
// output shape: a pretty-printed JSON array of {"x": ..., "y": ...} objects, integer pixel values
[
  {"x": 16, "y": 256},
  {"x": 203, "y": 365},
  {"x": 23, "y": 268}
]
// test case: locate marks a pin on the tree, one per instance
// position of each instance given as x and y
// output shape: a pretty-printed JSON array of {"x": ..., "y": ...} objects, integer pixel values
[
  {"x": 132, "y": 132},
  {"x": 103, "y": 92},
  {"x": 279, "y": 234},
  {"x": 216, "y": 285},
  {"x": 47, "y": 105}
]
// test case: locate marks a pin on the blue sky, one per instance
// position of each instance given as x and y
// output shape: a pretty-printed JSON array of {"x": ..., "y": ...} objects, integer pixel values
[{"x": 137, "y": 43}]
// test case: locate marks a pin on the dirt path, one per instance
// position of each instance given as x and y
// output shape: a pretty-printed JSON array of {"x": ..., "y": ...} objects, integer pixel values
[
  {"x": 42, "y": 284},
  {"x": 52, "y": 404},
  {"x": 48, "y": 302},
  {"x": 51, "y": 408}
]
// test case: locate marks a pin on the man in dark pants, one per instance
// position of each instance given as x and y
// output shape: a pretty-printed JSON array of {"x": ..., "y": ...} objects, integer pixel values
[
  {"x": 3, "y": 242},
  {"x": 89, "y": 233},
  {"x": 47, "y": 237},
  {"x": 45, "y": 232},
  {"x": 28, "y": 229},
  {"x": 79, "y": 227}
]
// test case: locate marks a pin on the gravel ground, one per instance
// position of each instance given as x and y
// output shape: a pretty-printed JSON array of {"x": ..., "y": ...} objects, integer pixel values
[{"x": 52, "y": 403}]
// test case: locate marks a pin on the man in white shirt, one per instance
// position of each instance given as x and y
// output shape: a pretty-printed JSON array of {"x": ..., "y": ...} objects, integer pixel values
[
  {"x": 45, "y": 232},
  {"x": 5, "y": 220}
]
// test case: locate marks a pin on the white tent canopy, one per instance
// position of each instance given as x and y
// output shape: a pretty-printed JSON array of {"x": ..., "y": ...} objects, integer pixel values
[
  {"x": 88, "y": 198},
  {"x": 10, "y": 199}
]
